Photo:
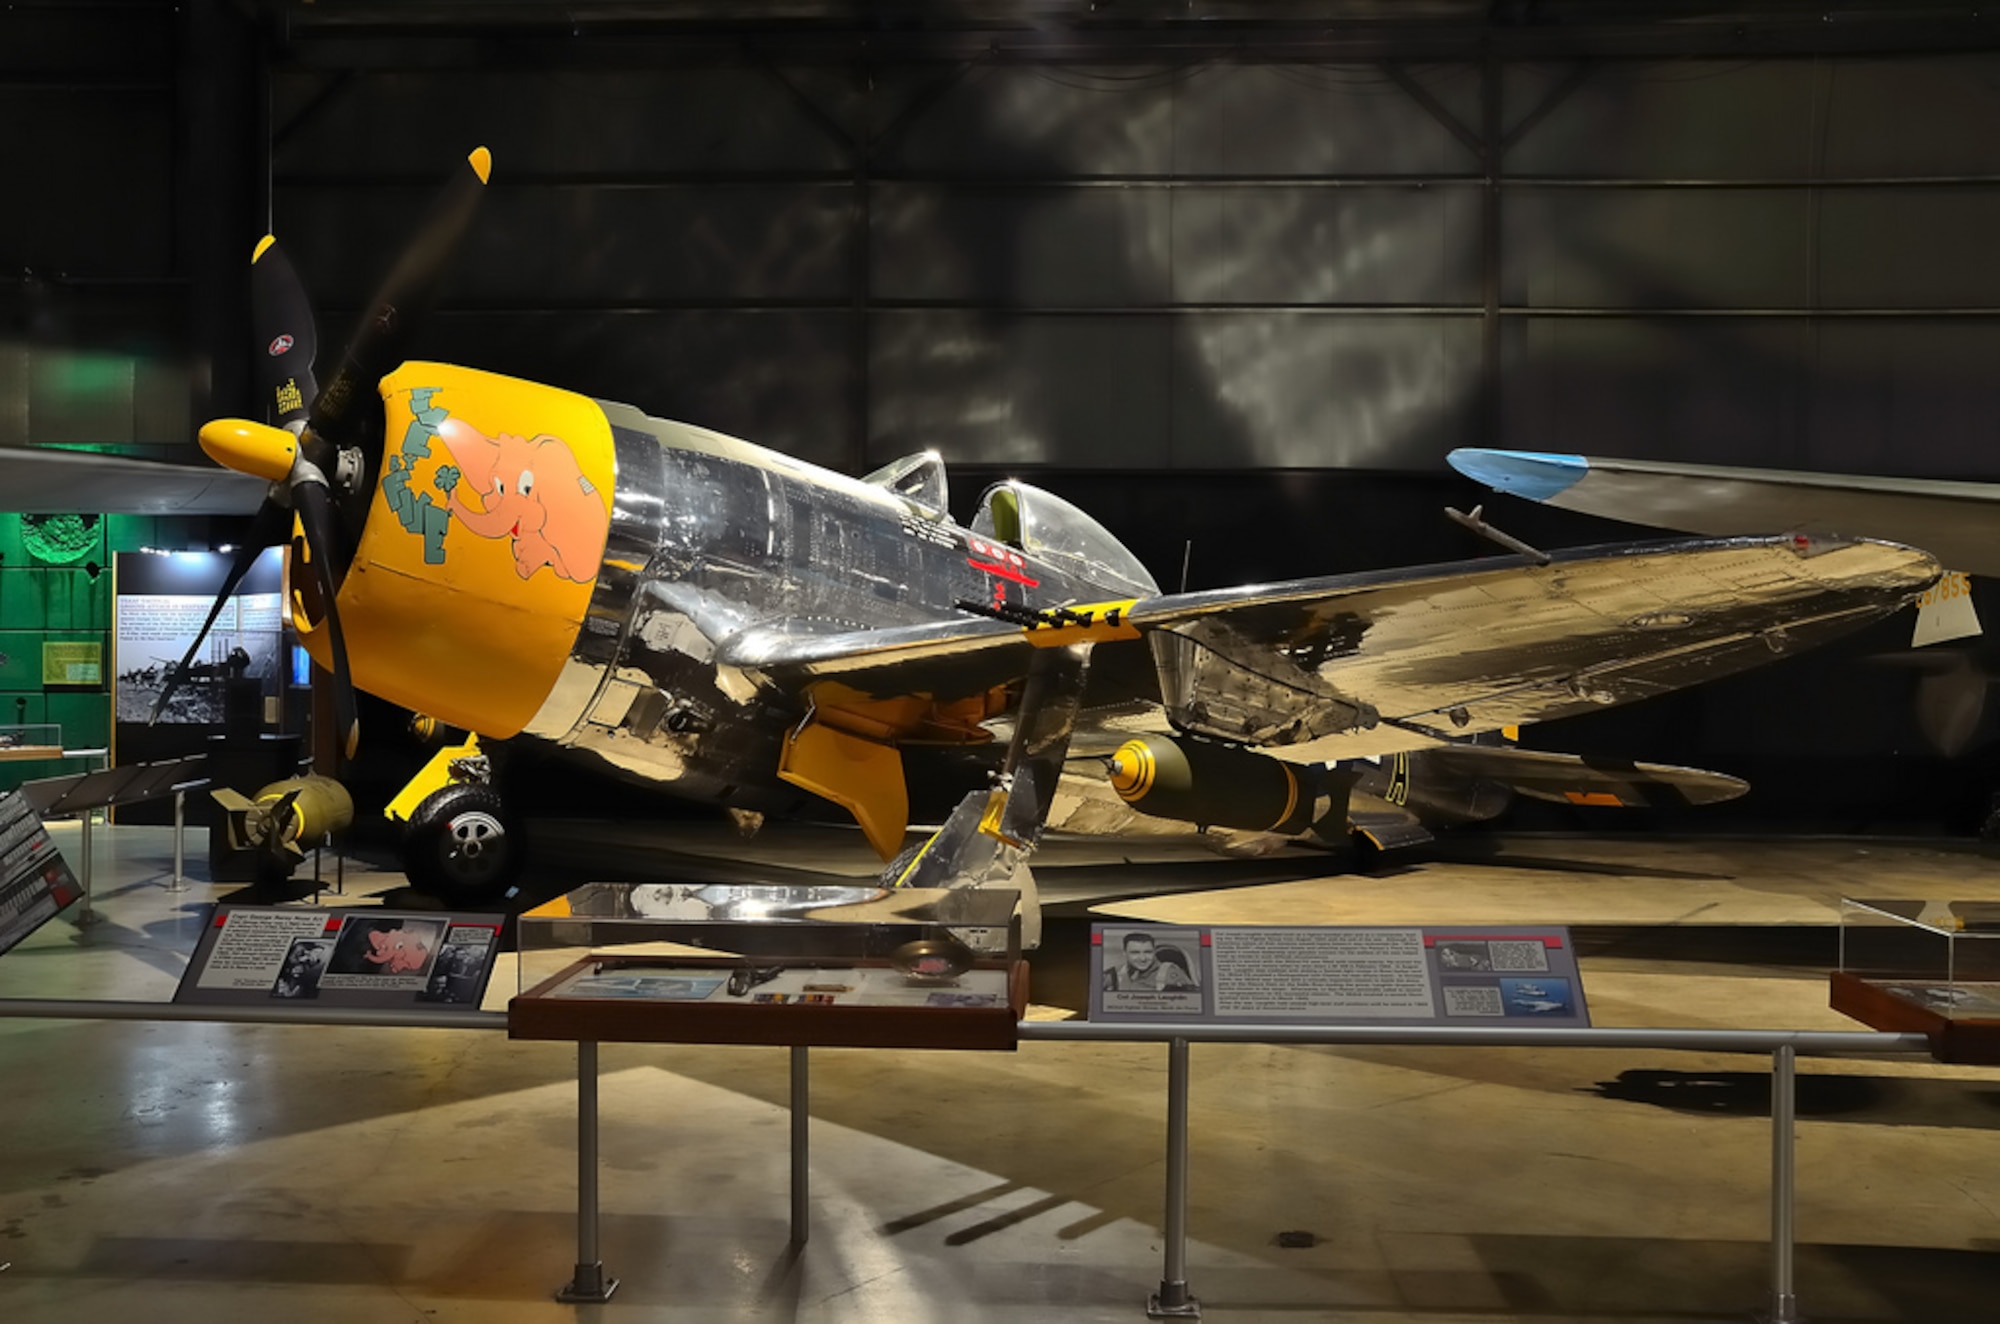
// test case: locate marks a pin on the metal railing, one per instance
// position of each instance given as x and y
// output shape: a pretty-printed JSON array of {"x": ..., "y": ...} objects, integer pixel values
[{"x": 1174, "y": 1299}]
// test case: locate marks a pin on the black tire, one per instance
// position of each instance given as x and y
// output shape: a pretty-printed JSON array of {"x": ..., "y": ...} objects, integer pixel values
[{"x": 462, "y": 845}]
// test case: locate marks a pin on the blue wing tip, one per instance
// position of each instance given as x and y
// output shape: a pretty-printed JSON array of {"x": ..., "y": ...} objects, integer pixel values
[{"x": 1535, "y": 475}]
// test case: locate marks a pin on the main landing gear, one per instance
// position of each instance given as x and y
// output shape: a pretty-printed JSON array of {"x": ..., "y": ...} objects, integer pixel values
[{"x": 462, "y": 845}]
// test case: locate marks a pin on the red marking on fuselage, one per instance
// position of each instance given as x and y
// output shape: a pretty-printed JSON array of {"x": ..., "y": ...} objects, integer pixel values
[{"x": 1007, "y": 572}]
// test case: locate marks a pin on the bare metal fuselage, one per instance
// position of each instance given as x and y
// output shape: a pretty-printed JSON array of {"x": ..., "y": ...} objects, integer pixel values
[{"x": 710, "y": 535}]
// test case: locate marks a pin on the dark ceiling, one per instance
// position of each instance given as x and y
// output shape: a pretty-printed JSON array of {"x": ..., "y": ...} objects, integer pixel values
[{"x": 1111, "y": 29}]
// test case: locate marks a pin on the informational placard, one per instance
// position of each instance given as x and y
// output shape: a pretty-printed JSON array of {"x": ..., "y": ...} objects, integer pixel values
[
  {"x": 345, "y": 958},
  {"x": 72, "y": 663},
  {"x": 162, "y": 602},
  {"x": 35, "y": 882},
  {"x": 1249, "y": 974}
]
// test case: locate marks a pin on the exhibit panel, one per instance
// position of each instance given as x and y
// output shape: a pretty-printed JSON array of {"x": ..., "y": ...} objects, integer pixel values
[{"x": 817, "y": 966}]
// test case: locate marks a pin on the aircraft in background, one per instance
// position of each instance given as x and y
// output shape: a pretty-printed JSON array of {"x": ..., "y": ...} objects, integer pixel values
[
  {"x": 695, "y": 612},
  {"x": 1958, "y": 522}
]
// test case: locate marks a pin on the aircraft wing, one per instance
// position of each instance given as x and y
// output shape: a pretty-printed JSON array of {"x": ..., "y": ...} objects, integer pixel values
[
  {"x": 48, "y": 481},
  {"x": 1959, "y": 522},
  {"x": 1402, "y": 657}
]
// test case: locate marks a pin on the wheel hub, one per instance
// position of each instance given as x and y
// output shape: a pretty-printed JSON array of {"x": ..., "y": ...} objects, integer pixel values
[{"x": 476, "y": 846}]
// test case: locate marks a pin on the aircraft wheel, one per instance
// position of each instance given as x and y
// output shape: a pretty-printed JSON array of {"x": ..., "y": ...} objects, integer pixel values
[{"x": 462, "y": 845}]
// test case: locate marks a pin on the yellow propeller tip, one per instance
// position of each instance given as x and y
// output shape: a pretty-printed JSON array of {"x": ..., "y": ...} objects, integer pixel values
[
  {"x": 250, "y": 448},
  {"x": 481, "y": 161},
  {"x": 353, "y": 739},
  {"x": 263, "y": 246}
]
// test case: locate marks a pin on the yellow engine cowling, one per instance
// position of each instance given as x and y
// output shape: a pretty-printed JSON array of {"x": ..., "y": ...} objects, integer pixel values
[{"x": 485, "y": 532}]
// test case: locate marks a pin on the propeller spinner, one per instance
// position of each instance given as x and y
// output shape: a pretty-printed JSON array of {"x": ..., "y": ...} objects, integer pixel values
[{"x": 317, "y": 463}]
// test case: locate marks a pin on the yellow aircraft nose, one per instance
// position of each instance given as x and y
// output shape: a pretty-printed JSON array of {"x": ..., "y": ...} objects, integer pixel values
[{"x": 250, "y": 448}]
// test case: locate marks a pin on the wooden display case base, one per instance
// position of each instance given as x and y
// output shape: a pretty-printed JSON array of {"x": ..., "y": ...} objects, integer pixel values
[
  {"x": 545, "y": 1012},
  {"x": 1970, "y": 1040}
]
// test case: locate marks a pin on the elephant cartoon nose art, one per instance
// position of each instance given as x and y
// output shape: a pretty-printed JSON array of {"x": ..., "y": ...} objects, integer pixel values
[{"x": 553, "y": 513}]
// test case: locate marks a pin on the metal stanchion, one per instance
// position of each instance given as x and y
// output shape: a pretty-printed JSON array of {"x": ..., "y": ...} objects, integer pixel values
[
  {"x": 179, "y": 884},
  {"x": 801, "y": 1150},
  {"x": 1784, "y": 1116},
  {"x": 88, "y": 915},
  {"x": 589, "y": 1282},
  {"x": 1173, "y": 1300}
]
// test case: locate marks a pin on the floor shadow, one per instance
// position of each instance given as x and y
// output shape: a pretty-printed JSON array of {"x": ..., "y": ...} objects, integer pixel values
[
  {"x": 1811, "y": 946},
  {"x": 1875, "y": 1100},
  {"x": 1613, "y": 1278},
  {"x": 1493, "y": 852}
]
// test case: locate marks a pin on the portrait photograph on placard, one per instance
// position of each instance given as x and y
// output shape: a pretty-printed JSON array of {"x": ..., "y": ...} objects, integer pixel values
[
  {"x": 1152, "y": 969},
  {"x": 304, "y": 964}
]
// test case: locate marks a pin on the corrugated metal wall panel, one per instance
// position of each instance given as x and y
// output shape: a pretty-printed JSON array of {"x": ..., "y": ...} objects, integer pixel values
[{"x": 1088, "y": 267}]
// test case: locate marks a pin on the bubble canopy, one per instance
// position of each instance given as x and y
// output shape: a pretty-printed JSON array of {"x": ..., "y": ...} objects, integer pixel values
[{"x": 1045, "y": 526}]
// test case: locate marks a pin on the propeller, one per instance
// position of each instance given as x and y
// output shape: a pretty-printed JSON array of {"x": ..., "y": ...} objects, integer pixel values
[{"x": 317, "y": 460}]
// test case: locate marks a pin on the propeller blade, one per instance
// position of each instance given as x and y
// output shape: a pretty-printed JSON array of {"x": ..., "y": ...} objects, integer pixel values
[
  {"x": 287, "y": 343},
  {"x": 266, "y": 529},
  {"x": 399, "y": 305},
  {"x": 315, "y": 507}
]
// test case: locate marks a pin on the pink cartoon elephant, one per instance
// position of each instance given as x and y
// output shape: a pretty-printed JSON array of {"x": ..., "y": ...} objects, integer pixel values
[{"x": 531, "y": 490}]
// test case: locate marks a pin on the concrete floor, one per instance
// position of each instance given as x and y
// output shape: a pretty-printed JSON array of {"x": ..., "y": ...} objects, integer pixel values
[{"x": 169, "y": 1172}]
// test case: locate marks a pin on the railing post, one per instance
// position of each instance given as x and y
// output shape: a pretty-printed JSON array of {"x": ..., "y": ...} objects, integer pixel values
[
  {"x": 589, "y": 1283},
  {"x": 179, "y": 884},
  {"x": 88, "y": 915},
  {"x": 1784, "y": 1114},
  {"x": 1174, "y": 1300},
  {"x": 801, "y": 1149}
]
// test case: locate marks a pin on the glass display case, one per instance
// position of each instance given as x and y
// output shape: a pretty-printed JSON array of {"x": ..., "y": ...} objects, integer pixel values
[
  {"x": 1927, "y": 966},
  {"x": 32, "y": 740},
  {"x": 829, "y": 965}
]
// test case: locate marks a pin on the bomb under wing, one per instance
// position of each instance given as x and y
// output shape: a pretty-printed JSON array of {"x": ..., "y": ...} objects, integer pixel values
[{"x": 1395, "y": 801}]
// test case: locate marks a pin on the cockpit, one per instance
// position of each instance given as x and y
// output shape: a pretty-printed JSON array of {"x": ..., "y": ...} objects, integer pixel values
[
  {"x": 1049, "y": 528},
  {"x": 918, "y": 479}
]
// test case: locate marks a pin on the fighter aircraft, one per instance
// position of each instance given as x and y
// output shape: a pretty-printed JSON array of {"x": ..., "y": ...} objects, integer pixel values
[{"x": 680, "y": 607}]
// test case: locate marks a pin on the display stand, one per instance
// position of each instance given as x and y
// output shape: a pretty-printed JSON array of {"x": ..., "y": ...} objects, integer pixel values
[
  {"x": 860, "y": 967},
  {"x": 1174, "y": 1300},
  {"x": 1932, "y": 967},
  {"x": 860, "y": 1015},
  {"x": 589, "y": 1283}
]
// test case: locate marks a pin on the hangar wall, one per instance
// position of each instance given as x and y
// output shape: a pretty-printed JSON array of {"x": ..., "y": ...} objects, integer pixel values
[
  {"x": 1210, "y": 264},
  {"x": 106, "y": 305}
]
